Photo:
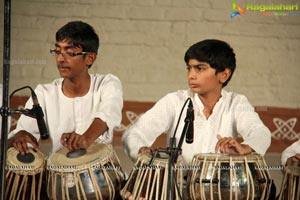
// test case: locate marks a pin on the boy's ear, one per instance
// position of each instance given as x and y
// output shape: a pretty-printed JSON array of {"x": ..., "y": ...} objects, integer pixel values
[
  {"x": 224, "y": 75},
  {"x": 90, "y": 58}
]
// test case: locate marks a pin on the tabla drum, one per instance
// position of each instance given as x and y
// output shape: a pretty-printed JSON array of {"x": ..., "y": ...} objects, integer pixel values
[
  {"x": 290, "y": 187},
  {"x": 219, "y": 176},
  {"x": 24, "y": 175},
  {"x": 97, "y": 174},
  {"x": 149, "y": 176}
]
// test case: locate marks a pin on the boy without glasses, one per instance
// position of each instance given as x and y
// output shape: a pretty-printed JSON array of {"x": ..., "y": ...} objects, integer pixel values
[{"x": 219, "y": 116}]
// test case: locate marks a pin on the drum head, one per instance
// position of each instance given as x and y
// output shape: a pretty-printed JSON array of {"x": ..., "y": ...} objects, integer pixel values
[
  {"x": 30, "y": 162},
  {"x": 161, "y": 159},
  {"x": 97, "y": 152},
  {"x": 224, "y": 157},
  {"x": 293, "y": 169}
]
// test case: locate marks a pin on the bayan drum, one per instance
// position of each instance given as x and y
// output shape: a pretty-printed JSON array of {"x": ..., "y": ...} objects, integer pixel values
[
  {"x": 290, "y": 187},
  {"x": 219, "y": 176},
  {"x": 97, "y": 174},
  {"x": 24, "y": 175},
  {"x": 149, "y": 176}
]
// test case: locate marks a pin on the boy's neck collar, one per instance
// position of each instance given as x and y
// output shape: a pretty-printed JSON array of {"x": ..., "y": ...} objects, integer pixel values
[
  {"x": 76, "y": 88},
  {"x": 209, "y": 101}
]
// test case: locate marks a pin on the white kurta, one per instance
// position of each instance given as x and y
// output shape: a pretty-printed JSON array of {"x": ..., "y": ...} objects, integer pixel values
[
  {"x": 104, "y": 100},
  {"x": 290, "y": 151},
  {"x": 232, "y": 115}
]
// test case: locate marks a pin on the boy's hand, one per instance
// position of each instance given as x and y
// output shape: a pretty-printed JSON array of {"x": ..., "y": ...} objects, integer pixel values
[
  {"x": 231, "y": 146},
  {"x": 20, "y": 140},
  {"x": 146, "y": 149},
  {"x": 294, "y": 160},
  {"x": 74, "y": 141}
]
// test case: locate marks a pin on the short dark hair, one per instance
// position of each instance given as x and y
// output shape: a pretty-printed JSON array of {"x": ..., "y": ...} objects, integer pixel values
[
  {"x": 218, "y": 54},
  {"x": 80, "y": 34}
]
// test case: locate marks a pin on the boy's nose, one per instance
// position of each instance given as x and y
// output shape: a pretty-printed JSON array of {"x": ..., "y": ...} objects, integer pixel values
[{"x": 191, "y": 74}]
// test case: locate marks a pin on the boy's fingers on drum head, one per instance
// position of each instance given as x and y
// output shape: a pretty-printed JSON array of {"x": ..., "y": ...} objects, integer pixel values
[
  {"x": 145, "y": 149},
  {"x": 65, "y": 137},
  {"x": 22, "y": 147}
]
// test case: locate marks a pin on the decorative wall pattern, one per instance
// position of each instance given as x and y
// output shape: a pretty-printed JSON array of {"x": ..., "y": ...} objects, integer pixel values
[
  {"x": 285, "y": 129},
  {"x": 132, "y": 117}
]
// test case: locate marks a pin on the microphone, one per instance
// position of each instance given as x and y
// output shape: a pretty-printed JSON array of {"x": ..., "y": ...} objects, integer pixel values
[
  {"x": 189, "y": 138},
  {"x": 39, "y": 115}
]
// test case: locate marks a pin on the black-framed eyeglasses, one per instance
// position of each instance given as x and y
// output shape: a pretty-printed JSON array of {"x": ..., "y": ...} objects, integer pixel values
[{"x": 67, "y": 54}]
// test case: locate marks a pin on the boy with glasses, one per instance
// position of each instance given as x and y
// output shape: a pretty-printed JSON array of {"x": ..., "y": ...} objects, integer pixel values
[{"x": 79, "y": 107}]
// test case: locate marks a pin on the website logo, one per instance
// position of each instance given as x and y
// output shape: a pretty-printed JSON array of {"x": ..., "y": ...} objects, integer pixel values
[
  {"x": 278, "y": 10},
  {"x": 236, "y": 10}
]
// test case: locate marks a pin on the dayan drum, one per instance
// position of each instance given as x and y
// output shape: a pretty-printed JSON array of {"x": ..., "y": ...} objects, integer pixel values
[
  {"x": 24, "y": 175},
  {"x": 290, "y": 187},
  {"x": 219, "y": 176},
  {"x": 95, "y": 175},
  {"x": 149, "y": 176}
]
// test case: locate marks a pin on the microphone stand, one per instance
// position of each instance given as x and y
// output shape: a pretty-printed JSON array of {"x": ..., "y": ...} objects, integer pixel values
[
  {"x": 5, "y": 112},
  {"x": 174, "y": 152},
  {"x": 5, "y": 108}
]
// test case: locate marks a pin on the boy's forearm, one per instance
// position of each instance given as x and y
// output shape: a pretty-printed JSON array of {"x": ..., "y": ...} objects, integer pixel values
[{"x": 96, "y": 129}]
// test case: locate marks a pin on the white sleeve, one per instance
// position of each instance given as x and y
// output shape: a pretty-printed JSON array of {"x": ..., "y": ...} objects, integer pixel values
[
  {"x": 149, "y": 126},
  {"x": 251, "y": 128},
  {"x": 290, "y": 151},
  {"x": 111, "y": 103}
]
